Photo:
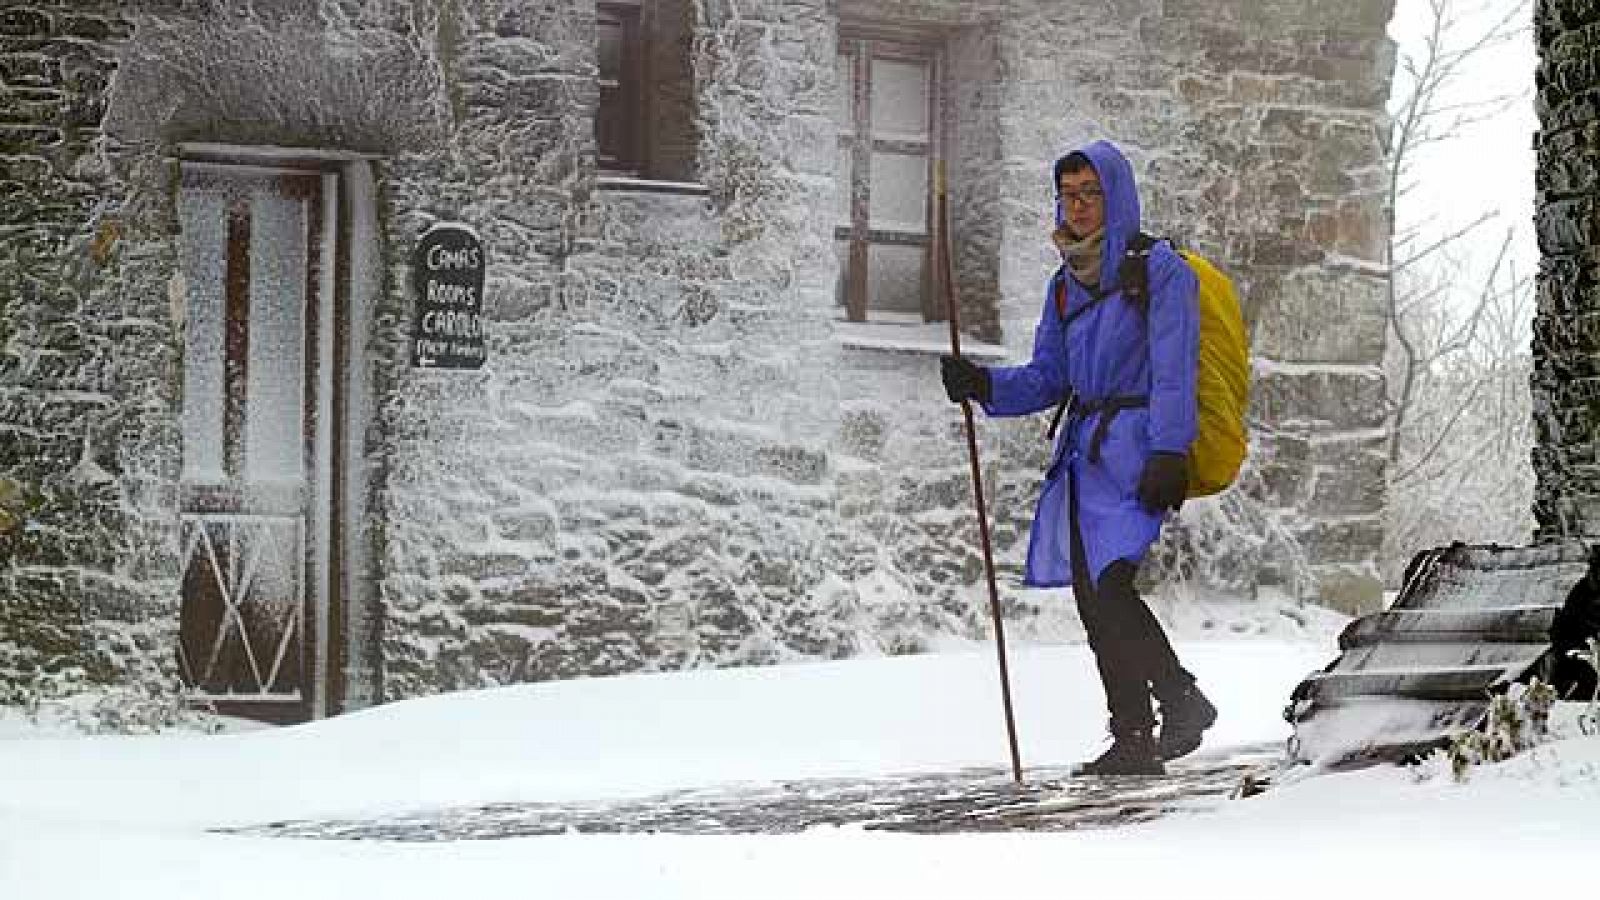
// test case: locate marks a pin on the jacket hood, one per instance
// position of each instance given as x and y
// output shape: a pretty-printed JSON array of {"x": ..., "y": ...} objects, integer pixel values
[{"x": 1122, "y": 203}]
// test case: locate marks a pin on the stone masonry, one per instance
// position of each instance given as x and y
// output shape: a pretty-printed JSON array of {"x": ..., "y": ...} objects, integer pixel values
[
  {"x": 88, "y": 356},
  {"x": 676, "y": 454},
  {"x": 1566, "y": 344}
]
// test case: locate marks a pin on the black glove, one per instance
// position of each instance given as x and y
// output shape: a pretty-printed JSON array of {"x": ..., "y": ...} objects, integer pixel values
[
  {"x": 1164, "y": 482},
  {"x": 964, "y": 380}
]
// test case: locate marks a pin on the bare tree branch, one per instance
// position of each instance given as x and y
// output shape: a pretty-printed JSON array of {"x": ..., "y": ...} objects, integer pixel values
[
  {"x": 1445, "y": 241},
  {"x": 1424, "y": 117},
  {"x": 1439, "y": 439},
  {"x": 1468, "y": 331}
]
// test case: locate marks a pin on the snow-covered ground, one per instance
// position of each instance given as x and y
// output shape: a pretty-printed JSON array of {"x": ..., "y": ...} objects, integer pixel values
[{"x": 126, "y": 817}]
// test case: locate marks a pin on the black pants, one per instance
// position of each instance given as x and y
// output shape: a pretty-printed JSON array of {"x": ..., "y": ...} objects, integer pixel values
[{"x": 1130, "y": 648}]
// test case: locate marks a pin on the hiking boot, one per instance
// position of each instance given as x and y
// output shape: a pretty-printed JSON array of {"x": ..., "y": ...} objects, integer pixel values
[
  {"x": 1184, "y": 718},
  {"x": 1132, "y": 754}
]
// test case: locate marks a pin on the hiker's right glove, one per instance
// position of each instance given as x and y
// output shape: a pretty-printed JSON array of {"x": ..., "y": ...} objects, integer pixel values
[
  {"x": 1164, "y": 482},
  {"x": 964, "y": 380}
]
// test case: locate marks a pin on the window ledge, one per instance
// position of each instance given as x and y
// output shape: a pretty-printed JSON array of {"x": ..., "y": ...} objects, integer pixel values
[
  {"x": 619, "y": 183},
  {"x": 922, "y": 338}
]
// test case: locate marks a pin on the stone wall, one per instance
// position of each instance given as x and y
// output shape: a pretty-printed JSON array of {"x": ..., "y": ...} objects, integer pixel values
[
  {"x": 637, "y": 480},
  {"x": 1308, "y": 236},
  {"x": 87, "y": 359},
  {"x": 98, "y": 99},
  {"x": 1566, "y": 342},
  {"x": 458, "y": 494},
  {"x": 674, "y": 457}
]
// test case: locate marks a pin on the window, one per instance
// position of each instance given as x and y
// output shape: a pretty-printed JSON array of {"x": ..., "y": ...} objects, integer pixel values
[
  {"x": 619, "y": 57},
  {"x": 887, "y": 118},
  {"x": 645, "y": 126}
]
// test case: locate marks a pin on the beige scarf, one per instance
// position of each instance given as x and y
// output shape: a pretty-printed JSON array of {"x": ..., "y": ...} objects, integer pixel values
[{"x": 1083, "y": 258}]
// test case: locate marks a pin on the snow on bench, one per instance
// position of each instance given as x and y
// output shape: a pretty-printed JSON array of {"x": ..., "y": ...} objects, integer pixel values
[{"x": 1469, "y": 621}]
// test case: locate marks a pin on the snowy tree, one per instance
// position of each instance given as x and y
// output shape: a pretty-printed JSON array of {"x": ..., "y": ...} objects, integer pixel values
[{"x": 1458, "y": 361}]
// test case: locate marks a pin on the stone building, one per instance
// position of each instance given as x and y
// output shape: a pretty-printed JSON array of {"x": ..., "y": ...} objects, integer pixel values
[
  {"x": 706, "y": 427},
  {"x": 1566, "y": 367}
]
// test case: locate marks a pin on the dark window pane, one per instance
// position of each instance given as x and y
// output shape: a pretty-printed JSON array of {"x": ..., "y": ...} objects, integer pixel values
[
  {"x": 618, "y": 53},
  {"x": 612, "y": 37}
]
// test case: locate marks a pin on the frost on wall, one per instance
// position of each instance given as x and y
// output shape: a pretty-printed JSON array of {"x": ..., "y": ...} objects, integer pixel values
[
  {"x": 86, "y": 361},
  {"x": 651, "y": 487},
  {"x": 363, "y": 76},
  {"x": 90, "y": 299},
  {"x": 672, "y": 459}
]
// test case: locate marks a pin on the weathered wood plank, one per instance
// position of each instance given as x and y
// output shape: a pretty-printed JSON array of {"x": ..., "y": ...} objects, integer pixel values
[
  {"x": 1469, "y": 621},
  {"x": 1504, "y": 624},
  {"x": 1452, "y": 654},
  {"x": 1380, "y": 728},
  {"x": 1422, "y": 684}
]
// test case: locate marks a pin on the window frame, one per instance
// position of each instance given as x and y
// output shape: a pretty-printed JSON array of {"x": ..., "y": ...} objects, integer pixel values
[{"x": 864, "y": 43}]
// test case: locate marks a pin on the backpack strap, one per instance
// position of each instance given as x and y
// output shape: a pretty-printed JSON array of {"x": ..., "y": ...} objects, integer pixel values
[
  {"x": 1134, "y": 274},
  {"x": 1095, "y": 296},
  {"x": 1134, "y": 278}
]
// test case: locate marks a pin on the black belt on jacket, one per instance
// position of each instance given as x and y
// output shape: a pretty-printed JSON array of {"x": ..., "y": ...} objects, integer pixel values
[{"x": 1107, "y": 407}]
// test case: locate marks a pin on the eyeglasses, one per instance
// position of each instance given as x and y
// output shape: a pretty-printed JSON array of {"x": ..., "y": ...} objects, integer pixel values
[{"x": 1087, "y": 196}]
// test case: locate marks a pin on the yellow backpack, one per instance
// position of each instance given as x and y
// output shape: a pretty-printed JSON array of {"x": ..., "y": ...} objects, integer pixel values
[{"x": 1222, "y": 386}]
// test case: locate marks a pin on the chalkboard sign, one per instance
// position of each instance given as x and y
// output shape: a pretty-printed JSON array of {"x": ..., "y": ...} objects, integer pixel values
[{"x": 447, "y": 270}]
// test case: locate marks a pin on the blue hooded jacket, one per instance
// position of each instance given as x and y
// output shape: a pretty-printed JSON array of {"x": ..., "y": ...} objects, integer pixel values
[{"x": 1112, "y": 349}]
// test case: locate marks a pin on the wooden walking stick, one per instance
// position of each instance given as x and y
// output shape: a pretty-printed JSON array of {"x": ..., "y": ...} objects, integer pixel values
[{"x": 945, "y": 272}]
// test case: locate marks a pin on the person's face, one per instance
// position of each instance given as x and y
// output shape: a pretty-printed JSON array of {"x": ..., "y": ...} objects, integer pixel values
[{"x": 1082, "y": 201}]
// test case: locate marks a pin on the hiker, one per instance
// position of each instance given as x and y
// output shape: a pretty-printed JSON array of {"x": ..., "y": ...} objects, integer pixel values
[{"x": 1120, "y": 461}]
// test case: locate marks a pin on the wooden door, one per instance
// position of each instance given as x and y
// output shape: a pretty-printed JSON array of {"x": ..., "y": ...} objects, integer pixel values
[{"x": 256, "y": 259}]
